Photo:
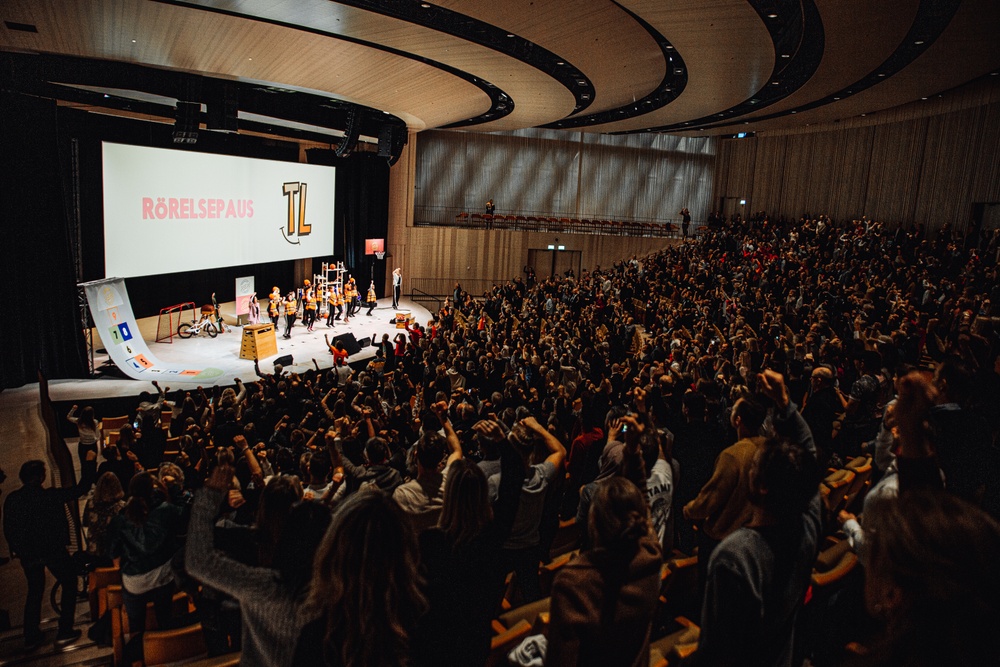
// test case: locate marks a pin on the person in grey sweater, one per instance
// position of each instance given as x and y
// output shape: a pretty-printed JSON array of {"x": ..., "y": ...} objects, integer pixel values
[{"x": 270, "y": 597}]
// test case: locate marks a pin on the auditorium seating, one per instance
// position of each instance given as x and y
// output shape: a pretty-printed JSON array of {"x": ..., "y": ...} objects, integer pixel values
[
  {"x": 531, "y": 223},
  {"x": 163, "y": 647}
]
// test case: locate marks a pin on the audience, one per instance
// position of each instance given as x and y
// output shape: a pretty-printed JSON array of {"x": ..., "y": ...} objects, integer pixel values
[{"x": 461, "y": 434}]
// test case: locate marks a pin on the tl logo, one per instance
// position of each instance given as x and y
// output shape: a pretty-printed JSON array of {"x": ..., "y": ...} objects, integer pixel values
[{"x": 295, "y": 191}]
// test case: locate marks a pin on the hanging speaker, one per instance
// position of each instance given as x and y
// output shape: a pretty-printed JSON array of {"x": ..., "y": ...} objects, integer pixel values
[{"x": 351, "y": 133}]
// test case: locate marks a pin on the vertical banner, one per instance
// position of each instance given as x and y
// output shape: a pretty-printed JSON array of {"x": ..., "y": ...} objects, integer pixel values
[
  {"x": 244, "y": 290},
  {"x": 115, "y": 322}
]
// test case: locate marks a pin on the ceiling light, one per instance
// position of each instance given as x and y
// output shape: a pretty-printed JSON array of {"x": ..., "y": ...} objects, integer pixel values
[
  {"x": 919, "y": 42},
  {"x": 836, "y": 98},
  {"x": 786, "y": 55},
  {"x": 772, "y": 15},
  {"x": 794, "y": 111},
  {"x": 863, "y": 115},
  {"x": 881, "y": 74},
  {"x": 923, "y": 98},
  {"x": 133, "y": 41},
  {"x": 560, "y": 63},
  {"x": 669, "y": 47},
  {"x": 775, "y": 83},
  {"x": 510, "y": 34}
]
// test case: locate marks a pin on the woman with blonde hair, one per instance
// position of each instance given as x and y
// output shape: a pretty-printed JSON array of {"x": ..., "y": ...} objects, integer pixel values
[{"x": 366, "y": 596}]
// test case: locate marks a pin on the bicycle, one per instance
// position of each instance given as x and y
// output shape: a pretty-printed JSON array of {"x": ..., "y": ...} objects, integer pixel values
[{"x": 188, "y": 329}]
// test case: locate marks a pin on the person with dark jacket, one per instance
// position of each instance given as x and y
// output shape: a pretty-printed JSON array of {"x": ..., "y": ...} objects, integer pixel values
[
  {"x": 145, "y": 538},
  {"x": 36, "y": 528}
]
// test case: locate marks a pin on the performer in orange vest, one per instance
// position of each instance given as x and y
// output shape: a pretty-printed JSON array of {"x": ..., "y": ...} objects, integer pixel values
[
  {"x": 274, "y": 306},
  {"x": 372, "y": 299},
  {"x": 291, "y": 312},
  {"x": 309, "y": 316}
]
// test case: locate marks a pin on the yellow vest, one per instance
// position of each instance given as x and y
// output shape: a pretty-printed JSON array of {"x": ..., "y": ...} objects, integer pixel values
[{"x": 291, "y": 306}]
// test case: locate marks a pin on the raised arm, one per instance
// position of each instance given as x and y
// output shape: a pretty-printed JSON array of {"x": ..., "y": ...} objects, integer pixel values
[
  {"x": 454, "y": 445},
  {"x": 557, "y": 453}
]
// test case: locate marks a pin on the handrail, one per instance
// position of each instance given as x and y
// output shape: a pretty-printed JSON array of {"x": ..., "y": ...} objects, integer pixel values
[{"x": 426, "y": 297}]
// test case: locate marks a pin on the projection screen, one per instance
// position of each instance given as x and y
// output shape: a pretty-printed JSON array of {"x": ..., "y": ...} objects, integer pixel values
[{"x": 167, "y": 211}]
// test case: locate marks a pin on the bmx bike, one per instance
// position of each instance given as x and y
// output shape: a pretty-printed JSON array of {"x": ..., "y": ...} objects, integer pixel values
[{"x": 188, "y": 329}]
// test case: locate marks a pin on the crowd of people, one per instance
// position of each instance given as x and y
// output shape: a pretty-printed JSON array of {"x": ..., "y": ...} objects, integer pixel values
[{"x": 688, "y": 401}]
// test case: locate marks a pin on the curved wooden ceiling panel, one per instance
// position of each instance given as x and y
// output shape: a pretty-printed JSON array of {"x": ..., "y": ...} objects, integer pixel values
[
  {"x": 858, "y": 37},
  {"x": 596, "y": 65},
  {"x": 722, "y": 71},
  {"x": 538, "y": 98},
  {"x": 617, "y": 54}
]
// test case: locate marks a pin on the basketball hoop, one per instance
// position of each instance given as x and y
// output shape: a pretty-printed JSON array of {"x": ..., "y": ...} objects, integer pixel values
[{"x": 380, "y": 254}]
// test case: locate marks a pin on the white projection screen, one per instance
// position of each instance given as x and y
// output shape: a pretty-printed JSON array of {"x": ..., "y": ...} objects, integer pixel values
[{"x": 167, "y": 211}]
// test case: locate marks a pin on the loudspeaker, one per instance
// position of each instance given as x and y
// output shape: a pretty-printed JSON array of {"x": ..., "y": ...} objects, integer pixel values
[
  {"x": 349, "y": 341},
  {"x": 187, "y": 118},
  {"x": 352, "y": 131},
  {"x": 285, "y": 361},
  {"x": 364, "y": 342},
  {"x": 223, "y": 107}
]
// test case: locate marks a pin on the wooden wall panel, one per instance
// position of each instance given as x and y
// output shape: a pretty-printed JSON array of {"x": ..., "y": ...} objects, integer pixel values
[
  {"x": 769, "y": 175},
  {"x": 945, "y": 180},
  {"x": 851, "y": 161},
  {"x": 919, "y": 168},
  {"x": 894, "y": 174}
]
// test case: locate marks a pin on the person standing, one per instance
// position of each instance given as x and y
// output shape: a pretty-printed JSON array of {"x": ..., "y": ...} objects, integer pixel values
[
  {"x": 685, "y": 221},
  {"x": 372, "y": 299},
  {"x": 253, "y": 315},
  {"x": 291, "y": 311},
  {"x": 36, "y": 528},
  {"x": 397, "y": 286},
  {"x": 274, "y": 306},
  {"x": 331, "y": 305},
  {"x": 309, "y": 310}
]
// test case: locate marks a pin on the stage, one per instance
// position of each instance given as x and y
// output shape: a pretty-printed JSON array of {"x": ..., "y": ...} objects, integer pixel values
[{"x": 223, "y": 353}]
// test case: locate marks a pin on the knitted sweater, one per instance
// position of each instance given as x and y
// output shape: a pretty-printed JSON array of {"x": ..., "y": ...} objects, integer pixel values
[{"x": 269, "y": 609}]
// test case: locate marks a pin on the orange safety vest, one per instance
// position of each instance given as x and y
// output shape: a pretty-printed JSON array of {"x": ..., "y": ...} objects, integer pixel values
[
  {"x": 272, "y": 306},
  {"x": 310, "y": 303},
  {"x": 371, "y": 296},
  {"x": 291, "y": 306}
]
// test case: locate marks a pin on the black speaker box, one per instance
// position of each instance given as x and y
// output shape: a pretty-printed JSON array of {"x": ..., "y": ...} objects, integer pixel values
[
  {"x": 284, "y": 361},
  {"x": 349, "y": 341},
  {"x": 364, "y": 342}
]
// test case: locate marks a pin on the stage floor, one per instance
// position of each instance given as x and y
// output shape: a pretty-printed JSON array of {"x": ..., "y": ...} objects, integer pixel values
[{"x": 223, "y": 352}]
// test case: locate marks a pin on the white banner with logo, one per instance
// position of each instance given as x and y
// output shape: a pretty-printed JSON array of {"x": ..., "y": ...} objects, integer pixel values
[
  {"x": 167, "y": 211},
  {"x": 244, "y": 290},
  {"x": 115, "y": 322}
]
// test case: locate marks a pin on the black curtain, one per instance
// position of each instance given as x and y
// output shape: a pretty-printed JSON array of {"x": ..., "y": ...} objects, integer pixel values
[
  {"x": 361, "y": 211},
  {"x": 41, "y": 326}
]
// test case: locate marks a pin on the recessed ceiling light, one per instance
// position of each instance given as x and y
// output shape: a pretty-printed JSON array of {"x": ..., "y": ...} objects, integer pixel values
[
  {"x": 775, "y": 83},
  {"x": 923, "y": 98},
  {"x": 994, "y": 73},
  {"x": 425, "y": 5},
  {"x": 510, "y": 34},
  {"x": 881, "y": 74},
  {"x": 836, "y": 98},
  {"x": 669, "y": 47},
  {"x": 863, "y": 115},
  {"x": 249, "y": 58},
  {"x": 560, "y": 63},
  {"x": 919, "y": 42},
  {"x": 794, "y": 111},
  {"x": 133, "y": 41},
  {"x": 786, "y": 55},
  {"x": 772, "y": 15}
]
